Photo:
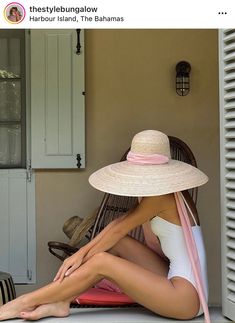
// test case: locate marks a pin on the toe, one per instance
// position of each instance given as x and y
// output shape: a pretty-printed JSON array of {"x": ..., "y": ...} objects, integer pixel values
[{"x": 28, "y": 316}]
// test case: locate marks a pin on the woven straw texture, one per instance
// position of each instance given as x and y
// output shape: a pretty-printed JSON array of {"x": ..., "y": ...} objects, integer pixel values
[{"x": 128, "y": 179}]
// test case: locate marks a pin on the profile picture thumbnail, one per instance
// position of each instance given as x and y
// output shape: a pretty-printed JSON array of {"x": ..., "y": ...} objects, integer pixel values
[{"x": 14, "y": 13}]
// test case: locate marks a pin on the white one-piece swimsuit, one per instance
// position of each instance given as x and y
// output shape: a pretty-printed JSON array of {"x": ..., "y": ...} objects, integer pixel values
[{"x": 173, "y": 245}]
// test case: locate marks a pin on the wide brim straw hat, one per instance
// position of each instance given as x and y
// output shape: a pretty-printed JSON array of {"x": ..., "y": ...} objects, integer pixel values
[{"x": 148, "y": 171}]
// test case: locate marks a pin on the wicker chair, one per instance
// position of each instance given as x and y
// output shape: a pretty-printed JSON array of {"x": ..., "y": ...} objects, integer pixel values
[{"x": 112, "y": 206}]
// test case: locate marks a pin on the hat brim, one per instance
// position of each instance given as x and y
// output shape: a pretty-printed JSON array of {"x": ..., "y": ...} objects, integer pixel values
[{"x": 128, "y": 179}]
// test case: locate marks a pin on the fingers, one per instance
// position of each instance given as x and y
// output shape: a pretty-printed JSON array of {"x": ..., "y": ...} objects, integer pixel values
[
  {"x": 87, "y": 257},
  {"x": 69, "y": 265},
  {"x": 65, "y": 271},
  {"x": 60, "y": 274},
  {"x": 71, "y": 269},
  {"x": 57, "y": 274}
]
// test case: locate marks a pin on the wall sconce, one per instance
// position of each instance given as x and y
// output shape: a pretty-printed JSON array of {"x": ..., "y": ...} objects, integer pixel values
[{"x": 182, "y": 78}]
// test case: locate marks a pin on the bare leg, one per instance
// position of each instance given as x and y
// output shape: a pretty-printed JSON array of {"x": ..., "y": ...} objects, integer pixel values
[
  {"x": 136, "y": 252},
  {"x": 83, "y": 278},
  {"x": 124, "y": 249},
  {"x": 176, "y": 298}
]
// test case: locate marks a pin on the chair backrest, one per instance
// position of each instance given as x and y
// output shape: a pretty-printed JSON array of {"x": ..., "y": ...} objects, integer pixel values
[{"x": 113, "y": 206}]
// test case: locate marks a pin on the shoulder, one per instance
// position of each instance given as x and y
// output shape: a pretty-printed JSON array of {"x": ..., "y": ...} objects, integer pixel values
[
  {"x": 158, "y": 203},
  {"x": 146, "y": 209}
]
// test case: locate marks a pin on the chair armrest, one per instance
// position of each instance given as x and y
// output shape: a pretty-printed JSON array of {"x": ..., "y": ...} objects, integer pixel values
[{"x": 67, "y": 249}]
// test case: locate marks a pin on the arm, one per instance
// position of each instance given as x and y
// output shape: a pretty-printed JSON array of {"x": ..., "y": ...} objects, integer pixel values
[
  {"x": 79, "y": 256},
  {"x": 114, "y": 232},
  {"x": 85, "y": 249},
  {"x": 147, "y": 209}
]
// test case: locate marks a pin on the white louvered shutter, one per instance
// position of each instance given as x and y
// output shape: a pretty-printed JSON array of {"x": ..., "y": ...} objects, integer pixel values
[{"x": 227, "y": 138}]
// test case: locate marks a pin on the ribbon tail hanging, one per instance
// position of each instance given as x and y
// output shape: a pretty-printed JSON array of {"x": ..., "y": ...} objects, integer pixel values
[{"x": 192, "y": 252}]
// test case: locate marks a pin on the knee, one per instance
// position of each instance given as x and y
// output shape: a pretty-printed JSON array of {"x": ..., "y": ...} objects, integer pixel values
[{"x": 100, "y": 261}]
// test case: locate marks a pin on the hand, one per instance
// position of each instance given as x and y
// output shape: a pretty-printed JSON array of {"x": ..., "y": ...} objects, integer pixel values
[{"x": 69, "y": 265}]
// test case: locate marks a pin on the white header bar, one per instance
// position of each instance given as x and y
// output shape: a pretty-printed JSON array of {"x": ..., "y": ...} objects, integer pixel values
[{"x": 117, "y": 14}]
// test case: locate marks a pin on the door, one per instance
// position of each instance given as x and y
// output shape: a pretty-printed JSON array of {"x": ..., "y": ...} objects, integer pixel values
[{"x": 17, "y": 200}]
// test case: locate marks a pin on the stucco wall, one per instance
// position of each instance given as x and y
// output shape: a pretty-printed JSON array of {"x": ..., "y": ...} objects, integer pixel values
[{"x": 130, "y": 86}]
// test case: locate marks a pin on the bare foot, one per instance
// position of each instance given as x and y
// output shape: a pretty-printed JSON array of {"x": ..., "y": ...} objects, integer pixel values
[
  {"x": 13, "y": 308},
  {"x": 60, "y": 309}
]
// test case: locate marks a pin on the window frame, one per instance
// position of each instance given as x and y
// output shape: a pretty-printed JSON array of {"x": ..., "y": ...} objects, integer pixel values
[{"x": 21, "y": 34}]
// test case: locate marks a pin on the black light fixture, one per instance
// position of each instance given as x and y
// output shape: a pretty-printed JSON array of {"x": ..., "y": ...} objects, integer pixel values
[{"x": 182, "y": 78}]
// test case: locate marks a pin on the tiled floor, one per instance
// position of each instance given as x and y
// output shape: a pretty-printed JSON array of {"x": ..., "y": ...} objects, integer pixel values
[{"x": 124, "y": 315}]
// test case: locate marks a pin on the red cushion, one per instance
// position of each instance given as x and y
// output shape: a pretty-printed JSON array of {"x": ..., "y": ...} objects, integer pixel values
[{"x": 96, "y": 296}]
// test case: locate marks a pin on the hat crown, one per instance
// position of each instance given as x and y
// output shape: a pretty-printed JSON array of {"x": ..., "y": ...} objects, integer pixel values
[{"x": 151, "y": 142}]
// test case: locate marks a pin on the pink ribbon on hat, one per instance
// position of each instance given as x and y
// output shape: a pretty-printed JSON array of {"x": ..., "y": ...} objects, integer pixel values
[{"x": 147, "y": 159}]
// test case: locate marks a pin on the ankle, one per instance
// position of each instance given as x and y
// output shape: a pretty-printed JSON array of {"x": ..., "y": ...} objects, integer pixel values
[
  {"x": 26, "y": 301},
  {"x": 64, "y": 308},
  {"x": 65, "y": 305}
]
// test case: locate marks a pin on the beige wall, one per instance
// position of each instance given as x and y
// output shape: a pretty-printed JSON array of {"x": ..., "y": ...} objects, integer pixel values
[{"x": 130, "y": 86}]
